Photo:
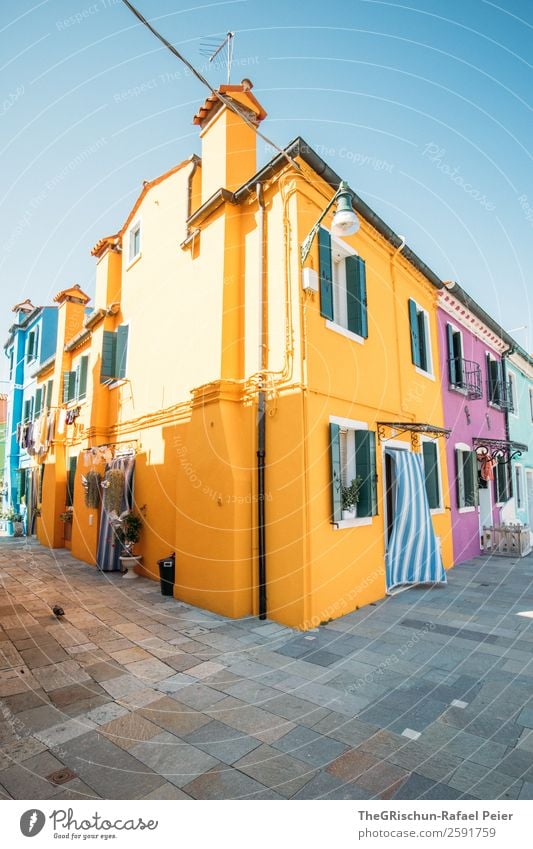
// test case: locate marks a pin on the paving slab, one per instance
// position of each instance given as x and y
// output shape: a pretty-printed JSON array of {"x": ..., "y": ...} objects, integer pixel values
[
  {"x": 222, "y": 742},
  {"x": 276, "y": 770},
  {"x": 219, "y": 784},
  {"x": 177, "y": 761}
]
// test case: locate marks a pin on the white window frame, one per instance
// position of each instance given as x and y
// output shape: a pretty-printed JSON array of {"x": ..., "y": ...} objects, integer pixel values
[
  {"x": 435, "y": 511},
  {"x": 342, "y": 250},
  {"x": 462, "y": 446},
  {"x": 351, "y": 425},
  {"x": 136, "y": 225},
  {"x": 454, "y": 386},
  {"x": 120, "y": 381},
  {"x": 35, "y": 332},
  {"x": 429, "y": 348}
]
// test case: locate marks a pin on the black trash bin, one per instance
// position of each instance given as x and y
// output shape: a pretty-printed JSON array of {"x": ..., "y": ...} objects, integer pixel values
[{"x": 167, "y": 572}]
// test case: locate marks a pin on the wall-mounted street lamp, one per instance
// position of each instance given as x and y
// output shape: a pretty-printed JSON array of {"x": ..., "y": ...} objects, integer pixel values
[{"x": 345, "y": 221}]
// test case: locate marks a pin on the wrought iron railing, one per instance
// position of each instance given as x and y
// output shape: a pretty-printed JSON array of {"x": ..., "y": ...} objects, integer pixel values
[
  {"x": 500, "y": 393},
  {"x": 467, "y": 374}
]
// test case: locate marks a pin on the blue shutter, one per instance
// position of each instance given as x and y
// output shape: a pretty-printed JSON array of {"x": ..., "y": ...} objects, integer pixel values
[
  {"x": 356, "y": 295},
  {"x": 415, "y": 339},
  {"x": 109, "y": 356},
  {"x": 336, "y": 477},
  {"x": 122, "y": 351},
  {"x": 365, "y": 468},
  {"x": 326, "y": 274}
]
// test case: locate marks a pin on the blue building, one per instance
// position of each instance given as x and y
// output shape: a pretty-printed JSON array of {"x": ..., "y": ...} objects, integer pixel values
[
  {"x": 31, "y": 341},
  {"x": 520, "y": 423}
]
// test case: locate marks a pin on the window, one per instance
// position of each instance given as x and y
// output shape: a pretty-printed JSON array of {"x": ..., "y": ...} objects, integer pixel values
[
  {"x": 494, "y": 380},
  {"x": 114, "y": 354},
  {"x": 342, "y": 286},
  {"x": 32, "y": 345},
  {"x": 75, "y": 382},
  {"x": 38, "y": 402},
  {"x": 135, "y": 241},
  {"x": 531, "y": 403},
  {"x": 455, "y": 357},
  {"x": 28, "y": 410},
  {"x": 49, "y": 387},
  {"x": 512, "y": 396},
  {"x": 11, "y": 363},
  {"x": 353, "y": 458},
  {"x": 466, "y": 478},
  {"x": 518, "y": 487},
  {"x": 430, "y": 456},
  {"x": 420, "y": 343},
  {"x": 502, "y": 484},
  {"x": 71, "y": 477}
]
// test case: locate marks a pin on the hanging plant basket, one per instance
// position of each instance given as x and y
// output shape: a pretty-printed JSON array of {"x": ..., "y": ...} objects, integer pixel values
[
  {"x": 113, "y": 487},
  {"x": 92, "y": 482}
]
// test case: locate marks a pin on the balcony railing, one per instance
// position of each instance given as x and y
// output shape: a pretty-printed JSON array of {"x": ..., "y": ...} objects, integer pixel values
[
  {"x": 467, "y": 377},
  {"x": 500, "y": 393}
]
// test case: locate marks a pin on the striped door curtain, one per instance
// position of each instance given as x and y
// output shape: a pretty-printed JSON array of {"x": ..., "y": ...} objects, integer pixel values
[{"x": 413, "y": 555}]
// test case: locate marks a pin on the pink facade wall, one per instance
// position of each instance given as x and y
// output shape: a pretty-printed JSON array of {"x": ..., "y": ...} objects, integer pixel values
[{"x": 483, "y": 420}]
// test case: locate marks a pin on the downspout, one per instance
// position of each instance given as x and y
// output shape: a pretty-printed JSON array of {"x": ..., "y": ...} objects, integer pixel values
[
  {"x": 505, "y": 375},
  {"x": 261, "y": 412}
]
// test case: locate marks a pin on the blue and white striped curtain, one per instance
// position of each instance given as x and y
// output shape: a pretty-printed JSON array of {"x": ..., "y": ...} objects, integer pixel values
[{"x": 413, "y": 555}]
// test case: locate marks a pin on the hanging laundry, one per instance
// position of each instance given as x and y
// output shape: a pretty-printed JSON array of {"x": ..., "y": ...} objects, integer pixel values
[
  {"x": 62, "y": 421},
  {"x": 488, "y": 464}
]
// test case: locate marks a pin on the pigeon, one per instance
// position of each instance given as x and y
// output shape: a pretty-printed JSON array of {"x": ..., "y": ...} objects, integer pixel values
[{"x": 58, "y": 611}]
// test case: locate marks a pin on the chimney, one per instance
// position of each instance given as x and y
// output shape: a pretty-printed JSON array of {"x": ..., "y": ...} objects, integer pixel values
[{"x": 229, "y": 143}]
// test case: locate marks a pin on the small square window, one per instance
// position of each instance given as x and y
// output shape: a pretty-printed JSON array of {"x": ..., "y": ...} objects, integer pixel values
[{"x": 135, "y": 241}]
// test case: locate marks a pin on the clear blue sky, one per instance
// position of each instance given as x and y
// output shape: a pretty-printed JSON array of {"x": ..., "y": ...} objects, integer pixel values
[{"x": 425, "y": 107}]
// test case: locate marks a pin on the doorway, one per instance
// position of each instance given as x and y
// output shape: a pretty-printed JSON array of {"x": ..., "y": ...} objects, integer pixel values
[
  {"x": 389, "y": 482},
  {"x": 485, "y": 510}
]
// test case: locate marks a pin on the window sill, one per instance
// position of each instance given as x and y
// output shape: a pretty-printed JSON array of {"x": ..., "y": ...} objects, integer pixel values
[
  {"x": 437, "y": 511},
  {"x": 352, "y": 523},
  {"x": 459, "y": 389},
  {"x": 118, "y": 382},
  {"x": 427, "y": 374},
  {"x": 466, "y": 509},
  {"x": 342, "y": 331},
  {"x": 134, "y": 261}
]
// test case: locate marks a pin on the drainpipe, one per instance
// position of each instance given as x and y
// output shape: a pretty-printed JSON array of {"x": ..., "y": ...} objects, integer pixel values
[{"x": 261, "y": 412}]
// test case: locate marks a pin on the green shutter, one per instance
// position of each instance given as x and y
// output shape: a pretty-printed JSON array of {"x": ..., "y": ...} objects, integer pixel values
[
  {"x": 452, "y": 370},
  {"x": 501, "y": 481},
  {"x": 42, "y": 468},
  {"x": 38, "y": 402},
  {"x": 27, "y": 409},
  {"x": 415, "y": 337},
  {"x": 336, "y": 477},
  {"x": 122, "y": 350},
  {"x": 469, "y": 475},
  {"x": 365, "y": 468},
  {"x": 422, "y": 340},
  {"x": 71, "y": 477},
  {"x": 49, "y": 387},
  {"x": 431, "y": 472},
  {"x": 31, "y": 346},
  {"x": 66, "y": 386},
  {"x": 109, "y": 356},
  {"x": 326, "y": 273},
  {"x": 356, "y": 295},
  {"x": 21, "y": 484},
  {"x": 82, "y": 377}
]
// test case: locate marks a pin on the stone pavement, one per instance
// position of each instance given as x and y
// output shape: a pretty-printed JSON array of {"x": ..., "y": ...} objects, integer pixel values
[{"x": 135, "y": 696}]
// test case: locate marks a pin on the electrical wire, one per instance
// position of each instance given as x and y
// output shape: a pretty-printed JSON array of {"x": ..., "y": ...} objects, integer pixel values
[{"x": 225, "y": 100}]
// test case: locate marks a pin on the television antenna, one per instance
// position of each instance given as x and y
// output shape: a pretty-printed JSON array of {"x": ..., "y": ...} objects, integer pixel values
[{"x": 222, "y": 52}]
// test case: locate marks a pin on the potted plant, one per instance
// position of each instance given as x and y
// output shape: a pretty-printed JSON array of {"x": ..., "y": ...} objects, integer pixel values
[
  {"x": 128, "y": 527},
  {"x": 18, "y": 527},
  {"x": 9, "y": 519},
  {"x": 350, "y": 498}
]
